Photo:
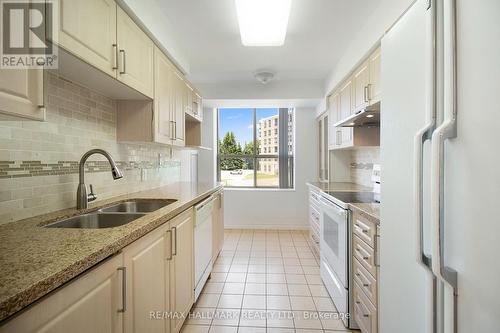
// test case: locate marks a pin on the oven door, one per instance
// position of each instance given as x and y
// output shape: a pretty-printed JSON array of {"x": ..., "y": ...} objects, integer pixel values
[{"x": 333, "y": 242}]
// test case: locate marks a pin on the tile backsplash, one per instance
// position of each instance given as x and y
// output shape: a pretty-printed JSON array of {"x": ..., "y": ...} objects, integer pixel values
[
  {"x": 362, "y": 160},
  {"x": 39, "y": 160}
]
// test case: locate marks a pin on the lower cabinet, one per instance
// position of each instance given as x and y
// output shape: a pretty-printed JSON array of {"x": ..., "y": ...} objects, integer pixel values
[
  {"x": 147, "y": 287},
  {"x": 365, "y": 270},
  {"x": 218, "y": 227},
  {"x": 147, "y": 281},
  {"x": 181, "y": 268},
  {"x": 92, "y": 303}
]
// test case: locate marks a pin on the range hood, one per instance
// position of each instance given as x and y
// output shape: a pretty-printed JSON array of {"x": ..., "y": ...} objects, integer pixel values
[{"x": 367, "y": 117}]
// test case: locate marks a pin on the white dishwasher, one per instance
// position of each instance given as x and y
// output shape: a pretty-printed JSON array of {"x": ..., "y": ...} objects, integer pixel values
[{"x": 203, "y": 243}]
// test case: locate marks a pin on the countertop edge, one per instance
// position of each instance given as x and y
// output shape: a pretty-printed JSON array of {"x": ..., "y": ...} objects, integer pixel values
[
  {"x": 360, "y": 210},
  {"x": 17, "y": 302}
]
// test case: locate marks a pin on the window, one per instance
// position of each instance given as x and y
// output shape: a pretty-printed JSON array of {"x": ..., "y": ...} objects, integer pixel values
[{"x": 249, "y": 155}]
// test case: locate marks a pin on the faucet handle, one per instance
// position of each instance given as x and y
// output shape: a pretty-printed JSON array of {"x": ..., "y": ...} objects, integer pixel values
[{"x": 91, "y": 196}]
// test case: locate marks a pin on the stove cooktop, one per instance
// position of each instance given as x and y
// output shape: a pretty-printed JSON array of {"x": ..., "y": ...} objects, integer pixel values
[{"x": 353, "y": 197}]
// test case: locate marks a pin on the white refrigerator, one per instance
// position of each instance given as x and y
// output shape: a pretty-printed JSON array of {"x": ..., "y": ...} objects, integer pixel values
[{"x": 440, "y": 157}]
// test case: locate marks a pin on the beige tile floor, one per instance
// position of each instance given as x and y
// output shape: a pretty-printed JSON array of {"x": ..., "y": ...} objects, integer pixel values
[{"x": 265, "y": 281}]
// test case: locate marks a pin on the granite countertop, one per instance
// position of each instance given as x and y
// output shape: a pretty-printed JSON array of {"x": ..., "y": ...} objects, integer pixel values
[
  {"x": 370, "y": 210},
  {"x": 36, "y": 260}
]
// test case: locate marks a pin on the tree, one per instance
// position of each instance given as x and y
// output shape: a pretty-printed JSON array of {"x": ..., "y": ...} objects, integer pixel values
[
  {"x": 228, "y": 146},
  {"x": 248, "y": 150}
]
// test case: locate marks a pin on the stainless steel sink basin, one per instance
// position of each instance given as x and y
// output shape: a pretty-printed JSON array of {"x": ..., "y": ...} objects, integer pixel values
[
  {"x": 138, "y": 206},
  {"x": 96, "y": 220}
]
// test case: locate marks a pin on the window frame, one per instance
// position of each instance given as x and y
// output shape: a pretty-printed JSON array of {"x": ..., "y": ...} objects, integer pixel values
[{"x": 286, "y": 161}]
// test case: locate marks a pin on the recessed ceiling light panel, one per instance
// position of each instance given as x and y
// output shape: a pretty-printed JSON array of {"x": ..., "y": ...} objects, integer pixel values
[{"x": 263, "y": 22}]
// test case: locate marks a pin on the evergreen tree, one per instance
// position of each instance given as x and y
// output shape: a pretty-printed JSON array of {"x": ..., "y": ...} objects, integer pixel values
[{"x": 229, "y": 146}]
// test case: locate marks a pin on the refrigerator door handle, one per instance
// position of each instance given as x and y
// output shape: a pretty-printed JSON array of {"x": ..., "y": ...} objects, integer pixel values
[
  {"x": 447, "y": 130},
  {"x": 424, "y": 134}
]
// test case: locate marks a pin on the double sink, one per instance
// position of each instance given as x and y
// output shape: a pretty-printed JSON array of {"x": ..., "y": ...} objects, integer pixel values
[{"x": 113, "y": 216}]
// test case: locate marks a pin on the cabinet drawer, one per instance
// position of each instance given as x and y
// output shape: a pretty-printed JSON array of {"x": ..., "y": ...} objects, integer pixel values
[
  {"x": 365, "y": 280},
  {"x": 365, "y": 312},
  {"x": 314, "y": 215},
  {"x": 314, "y": 198},
  {"x": 364, "y": 228},
  {"x": 365, "y": 255}
]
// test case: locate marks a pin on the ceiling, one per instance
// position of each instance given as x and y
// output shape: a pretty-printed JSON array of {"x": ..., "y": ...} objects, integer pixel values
[{"x": 318, "y": 33}]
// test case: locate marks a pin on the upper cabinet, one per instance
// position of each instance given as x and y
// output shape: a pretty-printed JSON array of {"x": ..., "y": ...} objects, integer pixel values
[
  {"x": 21, "y": 94},
  {"x": 87, "y": 29},
  {"x": 100, "y": 33},
  {"x": 358, "y": 91},
  {"x": 361, "y": 84},
  {"x": 179, "y": 107},
  {"x": 335, "y": 133},
  {"x": 375, "y": 88},
  {"x": 163, "y": 101},
  {"x": 135, "y": 55}
]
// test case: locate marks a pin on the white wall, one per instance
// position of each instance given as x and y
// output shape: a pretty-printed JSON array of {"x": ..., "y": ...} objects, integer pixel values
[
  {"x": 374, "y": 27},
  {"x": 285, "y": 209}
]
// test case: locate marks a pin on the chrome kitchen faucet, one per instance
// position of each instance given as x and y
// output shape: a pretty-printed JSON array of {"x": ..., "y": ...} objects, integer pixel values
[{"x": 82, "y": 198}]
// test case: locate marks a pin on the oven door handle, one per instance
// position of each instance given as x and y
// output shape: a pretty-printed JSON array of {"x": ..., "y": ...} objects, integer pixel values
[{"x": 332, "y": 207}]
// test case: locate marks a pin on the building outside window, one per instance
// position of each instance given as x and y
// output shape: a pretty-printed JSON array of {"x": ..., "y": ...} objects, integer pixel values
[{"x": 254, "y": 147}]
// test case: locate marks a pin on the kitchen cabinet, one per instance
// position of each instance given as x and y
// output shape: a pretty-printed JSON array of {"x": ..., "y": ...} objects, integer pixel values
[
  {"x": 334, "y": 133},
  {"x": 346, "y": 109},
  {"x": 87, "y": 29},
  {"x": 21, "y": 94},
  {"x": 91, "y": 303},
  {"x": 179, "y": 107},
  {"x": 361, "y": 79},
  {"x": 163, "y": 101},
  {"x": 182, "y": 267},
  {"x": 375, "y": 87},
  {"x": 198, "y": 106},
  {"x": 323, "y": 147},
  {"x": 135, "y": 55},
  {"x": 365, "y": 272},
  {"x": 163, "y": 120},
  {"x": 314, "y": 216},
  {"x": 147, "y": 276},
  {"x": 218, "y": 225}
]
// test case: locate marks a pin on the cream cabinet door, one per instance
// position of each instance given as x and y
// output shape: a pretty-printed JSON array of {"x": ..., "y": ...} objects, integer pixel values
[
  {"x": 375, "y": 86},
  {"x": 182, "y": 267},
  {"x": 188, "y": 99},
  {"x": 21, "y": 93},
  {"x": 163, "y": 99},
  {"x": 218, "y": 227},
  {"x": 135, "y": 55},
  {"x": 147, "y": 282},
  {"x": 334, "y": 133},
  {"x": 179, "y": 103},
  {"x": 90, "y": 303},
  {"x": 87, "y": 29},
  {"x": 360, "y": 89},
  {"x": 198, "y": 106},
  {"x": 346, "y": 107}
]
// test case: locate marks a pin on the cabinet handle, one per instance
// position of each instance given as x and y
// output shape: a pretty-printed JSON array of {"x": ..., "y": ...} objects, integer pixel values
[
  {"x": 366, "y": 94},
  {"x": 172, "y": 134},
  {"x": 170, "y": 243},
  {"x": 124, "y": 288},
  {"x": 362, "y": 230},
  {"x": 174, "y": 229},
  {"x": 369, "y": 92},
  {"x": 175, "y": 130},
  {"x": 115, "y": 56},
  {"x": 124, "y": 71},
  {"x": 366, "y": 315}
]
